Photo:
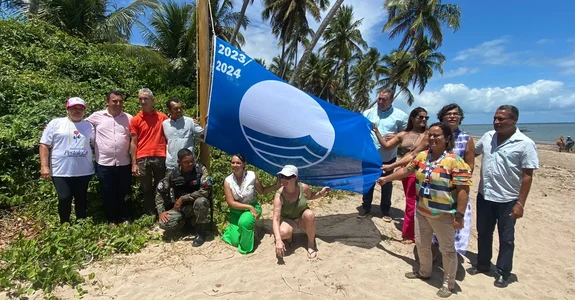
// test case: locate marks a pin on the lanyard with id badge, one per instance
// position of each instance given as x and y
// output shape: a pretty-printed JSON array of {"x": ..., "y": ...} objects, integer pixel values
[{"x": 429, "y": 167}]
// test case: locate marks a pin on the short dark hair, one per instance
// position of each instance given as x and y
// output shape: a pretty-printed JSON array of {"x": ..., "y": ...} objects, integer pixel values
[
  {"x": 441, "y": 114},
  {"x": 241, "y": 157},
  {"x": 414, "y": 113},
  {"x": 117, "y": 93},
  {"x": 447, "y": 133},
  {"x": 513, "y": 111},
  {"x": 184, "y": 153},
  {"x": 169, "y": 102}
]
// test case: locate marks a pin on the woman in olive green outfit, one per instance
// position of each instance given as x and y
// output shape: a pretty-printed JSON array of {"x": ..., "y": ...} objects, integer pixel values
[
  {"x": 291, "y": 211},
  {"x": 239, "y": 189}
]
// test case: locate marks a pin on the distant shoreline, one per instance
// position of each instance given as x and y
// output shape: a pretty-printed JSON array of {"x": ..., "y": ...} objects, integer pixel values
[{"x": 544, "y": 145}]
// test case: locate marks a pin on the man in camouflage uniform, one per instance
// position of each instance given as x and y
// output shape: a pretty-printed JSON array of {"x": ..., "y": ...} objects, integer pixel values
[{"x": 183, "y": 194}]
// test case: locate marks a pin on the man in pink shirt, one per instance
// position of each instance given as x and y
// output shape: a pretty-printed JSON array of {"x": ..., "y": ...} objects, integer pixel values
[{"x": 112, "y": 156}]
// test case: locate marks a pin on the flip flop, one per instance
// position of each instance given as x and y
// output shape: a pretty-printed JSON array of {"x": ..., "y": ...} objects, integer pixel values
[{"x": 311, "y": 253}]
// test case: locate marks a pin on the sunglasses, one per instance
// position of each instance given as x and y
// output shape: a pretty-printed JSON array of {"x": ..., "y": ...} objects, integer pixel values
[
  {"x": 423, "y": 118},
  {"x": 281, "y": 176},
  {"x": 383, "y": 99}
]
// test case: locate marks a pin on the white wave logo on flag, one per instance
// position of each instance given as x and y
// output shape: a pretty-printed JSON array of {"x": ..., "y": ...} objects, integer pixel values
[{"x": 309, "y": 137}]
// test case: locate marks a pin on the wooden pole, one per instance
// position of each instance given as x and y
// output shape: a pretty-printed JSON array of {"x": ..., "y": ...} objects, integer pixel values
[{"x": 203, "y": 50}]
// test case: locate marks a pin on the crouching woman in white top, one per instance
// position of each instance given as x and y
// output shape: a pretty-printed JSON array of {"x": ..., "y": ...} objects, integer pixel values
[
  {"x": 239, "y": 189},
  {"x": 66, "y": 158}
]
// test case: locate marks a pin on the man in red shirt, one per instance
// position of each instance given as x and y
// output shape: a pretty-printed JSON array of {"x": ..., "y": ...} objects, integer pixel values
[{"x": 148, "y": 148}]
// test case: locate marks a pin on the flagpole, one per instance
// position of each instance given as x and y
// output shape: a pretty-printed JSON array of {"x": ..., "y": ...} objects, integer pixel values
[{"x": 203, "y": 50}]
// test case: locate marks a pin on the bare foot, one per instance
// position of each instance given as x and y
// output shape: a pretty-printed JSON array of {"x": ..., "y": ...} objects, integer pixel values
[{"x": 407, "y": 241}]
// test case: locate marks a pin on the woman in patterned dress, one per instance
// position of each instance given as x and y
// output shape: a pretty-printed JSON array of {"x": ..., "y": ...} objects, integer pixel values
[{"x": 452, "y": 115}]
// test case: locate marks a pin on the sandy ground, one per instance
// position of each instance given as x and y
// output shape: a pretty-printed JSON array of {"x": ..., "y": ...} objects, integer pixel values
[{"x": 358, "y": 259}]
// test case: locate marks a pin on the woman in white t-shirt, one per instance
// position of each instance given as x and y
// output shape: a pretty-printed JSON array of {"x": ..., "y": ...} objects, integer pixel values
[
  {"x": 66, "y": 158},
  {"x": 240, "y": 189}
]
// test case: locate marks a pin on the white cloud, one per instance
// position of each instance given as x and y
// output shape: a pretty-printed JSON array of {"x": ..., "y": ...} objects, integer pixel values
[
  {"x": 542, "y": 95},
  {"x": 544, "y": 41},
  {"x": 260, "y": 42},
  {"x": 460, "y": 72},
  {"x": 490, "y": 52},
  {"x": 566, "y": 64}
]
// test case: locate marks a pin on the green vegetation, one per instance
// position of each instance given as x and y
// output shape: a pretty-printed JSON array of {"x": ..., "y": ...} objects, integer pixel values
[{"x": 56, "y": 49}]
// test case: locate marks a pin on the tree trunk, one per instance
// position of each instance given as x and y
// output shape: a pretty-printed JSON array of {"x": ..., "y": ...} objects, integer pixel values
[
  {"x": 239, "y": 24},
  {"x": 315, "y": 39}
]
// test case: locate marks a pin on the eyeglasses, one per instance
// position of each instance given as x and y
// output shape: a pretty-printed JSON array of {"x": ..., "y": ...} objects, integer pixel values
[
  {"x": 423, "y": 117},
  {"x": 455, "y": 115},
  {"x": 281, "y": 176},
  {"x": 435, "y": 136}
]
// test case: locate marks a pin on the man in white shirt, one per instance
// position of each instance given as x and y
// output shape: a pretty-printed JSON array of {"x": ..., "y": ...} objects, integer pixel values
[
  {"x": 179, "y": 131},
  {"x": 389, "y": 120},
  {"x": 509, "y": 158}
]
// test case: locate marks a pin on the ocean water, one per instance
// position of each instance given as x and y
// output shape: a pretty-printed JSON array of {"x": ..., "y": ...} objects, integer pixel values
[{"x": 545, "y": 133}]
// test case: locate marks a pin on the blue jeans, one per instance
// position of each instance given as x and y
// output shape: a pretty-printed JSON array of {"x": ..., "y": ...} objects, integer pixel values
[
  {"x": 490, "y": 213},
  {"x": 386, "y": 190},
  {"x": 115, "y": 184}
]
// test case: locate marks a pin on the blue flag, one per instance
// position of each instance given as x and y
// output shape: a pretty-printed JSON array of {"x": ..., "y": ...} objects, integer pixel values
[{"x": 273, "y": 124}]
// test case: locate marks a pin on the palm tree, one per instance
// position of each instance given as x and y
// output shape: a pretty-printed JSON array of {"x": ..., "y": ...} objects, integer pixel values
[
  {"x": 173, "y": 30},
  {"x": 90, "y": 19},
  {"x": 241, "y": 19},
  {"x": 309, "y": 49},
  {"x": 363, "y": 78},
  {"x": 343, "y": 41},
  {"x": 413, "y": 18},
  {"x": 225, "y": 20},
  {"x": 316, "y": 74},
  {"x": 412, "y": 68},
  {"x": 279, "y": 66},
  {"x": 288, "y": 17},
  {"x": 261, "y": 61},
  {"x": 425, "y": 59},
  {"x": 395, "y": 74}
]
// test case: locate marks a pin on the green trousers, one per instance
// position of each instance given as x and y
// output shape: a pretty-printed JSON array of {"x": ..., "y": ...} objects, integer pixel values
[{"x": 240, "y": 232}]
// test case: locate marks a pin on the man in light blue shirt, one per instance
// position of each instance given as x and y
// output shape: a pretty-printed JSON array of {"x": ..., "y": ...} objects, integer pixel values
[
  {"x": 389, "y": 120},
  {"x": 509, "y": 158},
  {"x": 179, "y": 131}
]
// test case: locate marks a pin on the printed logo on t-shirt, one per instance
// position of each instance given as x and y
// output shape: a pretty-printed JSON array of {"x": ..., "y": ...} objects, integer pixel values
[{"x": 76, "y": 143}]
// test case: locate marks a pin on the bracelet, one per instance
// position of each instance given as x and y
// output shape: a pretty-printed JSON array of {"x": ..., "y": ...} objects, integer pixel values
[{"x": 520, "y": 204}]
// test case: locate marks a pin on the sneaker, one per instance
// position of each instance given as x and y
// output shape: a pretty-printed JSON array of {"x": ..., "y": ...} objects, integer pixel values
[
  {"x": 444, "y": 292},
  {"x": 363, "y": 214},
  {"x": 387, "y": 218}
]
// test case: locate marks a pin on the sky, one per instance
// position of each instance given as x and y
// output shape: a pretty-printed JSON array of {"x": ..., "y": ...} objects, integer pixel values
[{"x": 506, "y": 52}]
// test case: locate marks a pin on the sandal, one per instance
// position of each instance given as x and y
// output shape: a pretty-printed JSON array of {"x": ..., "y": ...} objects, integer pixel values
[{"x": 311, "y": 253}]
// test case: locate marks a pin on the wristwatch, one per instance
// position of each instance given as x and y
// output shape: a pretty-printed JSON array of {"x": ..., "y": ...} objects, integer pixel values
[{"x": 458, "y": 215}]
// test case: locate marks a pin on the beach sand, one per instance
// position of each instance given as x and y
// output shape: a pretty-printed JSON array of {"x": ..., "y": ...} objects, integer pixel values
[{"x": 358, "y": 259}]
